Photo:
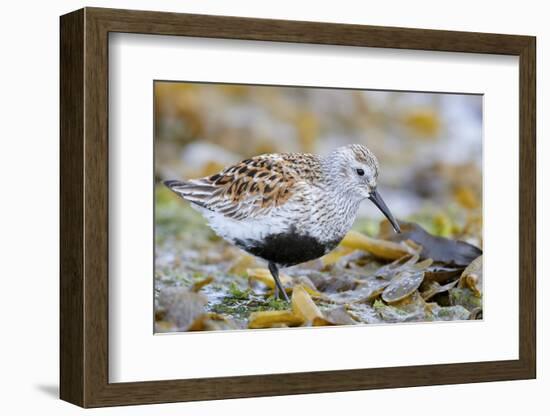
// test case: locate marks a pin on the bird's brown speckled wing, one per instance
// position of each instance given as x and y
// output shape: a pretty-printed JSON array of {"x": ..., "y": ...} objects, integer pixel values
[{"x": 252, "y": 187}]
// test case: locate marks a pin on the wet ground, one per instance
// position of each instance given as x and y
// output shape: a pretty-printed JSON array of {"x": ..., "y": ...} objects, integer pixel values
[{"x": 203, "y": 283}]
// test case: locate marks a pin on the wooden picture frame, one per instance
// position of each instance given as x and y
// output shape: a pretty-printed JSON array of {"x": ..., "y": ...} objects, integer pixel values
[{"x": 84, "y": 207}]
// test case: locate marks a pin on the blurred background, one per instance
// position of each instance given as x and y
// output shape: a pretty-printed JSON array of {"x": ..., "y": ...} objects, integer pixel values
[{"x": 429, "y": 145}]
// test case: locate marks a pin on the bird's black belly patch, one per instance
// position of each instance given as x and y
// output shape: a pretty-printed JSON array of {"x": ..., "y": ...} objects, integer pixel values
[{"x": 287, "y": 249}]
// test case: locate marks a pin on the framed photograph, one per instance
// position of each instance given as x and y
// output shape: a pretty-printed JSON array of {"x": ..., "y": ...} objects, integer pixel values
[{"x": 254, "y": 207}]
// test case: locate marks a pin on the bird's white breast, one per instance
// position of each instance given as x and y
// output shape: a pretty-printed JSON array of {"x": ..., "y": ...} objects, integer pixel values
[
  {"x": 315, "y": 215},
  {"x": 250, "y": 229}
]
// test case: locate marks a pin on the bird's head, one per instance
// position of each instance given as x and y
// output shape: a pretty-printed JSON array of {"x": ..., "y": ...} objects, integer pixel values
[{"x": 354, "y": 170}]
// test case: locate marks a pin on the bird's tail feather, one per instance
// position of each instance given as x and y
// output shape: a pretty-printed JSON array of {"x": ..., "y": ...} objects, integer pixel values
[{"x": 192, "y": 190}]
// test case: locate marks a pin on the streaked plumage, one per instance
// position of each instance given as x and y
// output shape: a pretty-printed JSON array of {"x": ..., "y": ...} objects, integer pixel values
[{"x": 286, "y": 208}]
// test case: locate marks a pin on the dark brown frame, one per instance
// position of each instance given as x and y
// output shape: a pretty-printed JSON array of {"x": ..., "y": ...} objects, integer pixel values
[{"x": 84, "y": 207}]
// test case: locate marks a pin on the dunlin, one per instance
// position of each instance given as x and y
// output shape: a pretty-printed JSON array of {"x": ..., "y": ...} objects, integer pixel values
[{"x": 287, "y": 208}]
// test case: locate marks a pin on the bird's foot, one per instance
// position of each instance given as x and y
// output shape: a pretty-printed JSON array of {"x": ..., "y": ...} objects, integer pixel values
[
  {"x": 280, "y": 294},
  {"x": 284, "y": 296},
  {"x": 278, "y": 285}
]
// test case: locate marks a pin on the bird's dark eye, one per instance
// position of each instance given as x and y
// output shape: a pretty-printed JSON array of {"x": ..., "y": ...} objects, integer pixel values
[{"x": 360, "y": 172}]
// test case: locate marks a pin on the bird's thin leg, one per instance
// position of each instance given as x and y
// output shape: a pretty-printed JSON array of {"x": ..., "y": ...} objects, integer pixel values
[
  {"x": 276, "y": 291},
  {"x": 278, "y": 286}
]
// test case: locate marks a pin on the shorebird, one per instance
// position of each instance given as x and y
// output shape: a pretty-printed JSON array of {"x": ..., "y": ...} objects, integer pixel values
[{"x": 287, "y": 208}]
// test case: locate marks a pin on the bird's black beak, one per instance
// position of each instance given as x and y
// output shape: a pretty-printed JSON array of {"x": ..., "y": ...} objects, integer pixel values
[{"x": 379, "y": 202}]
